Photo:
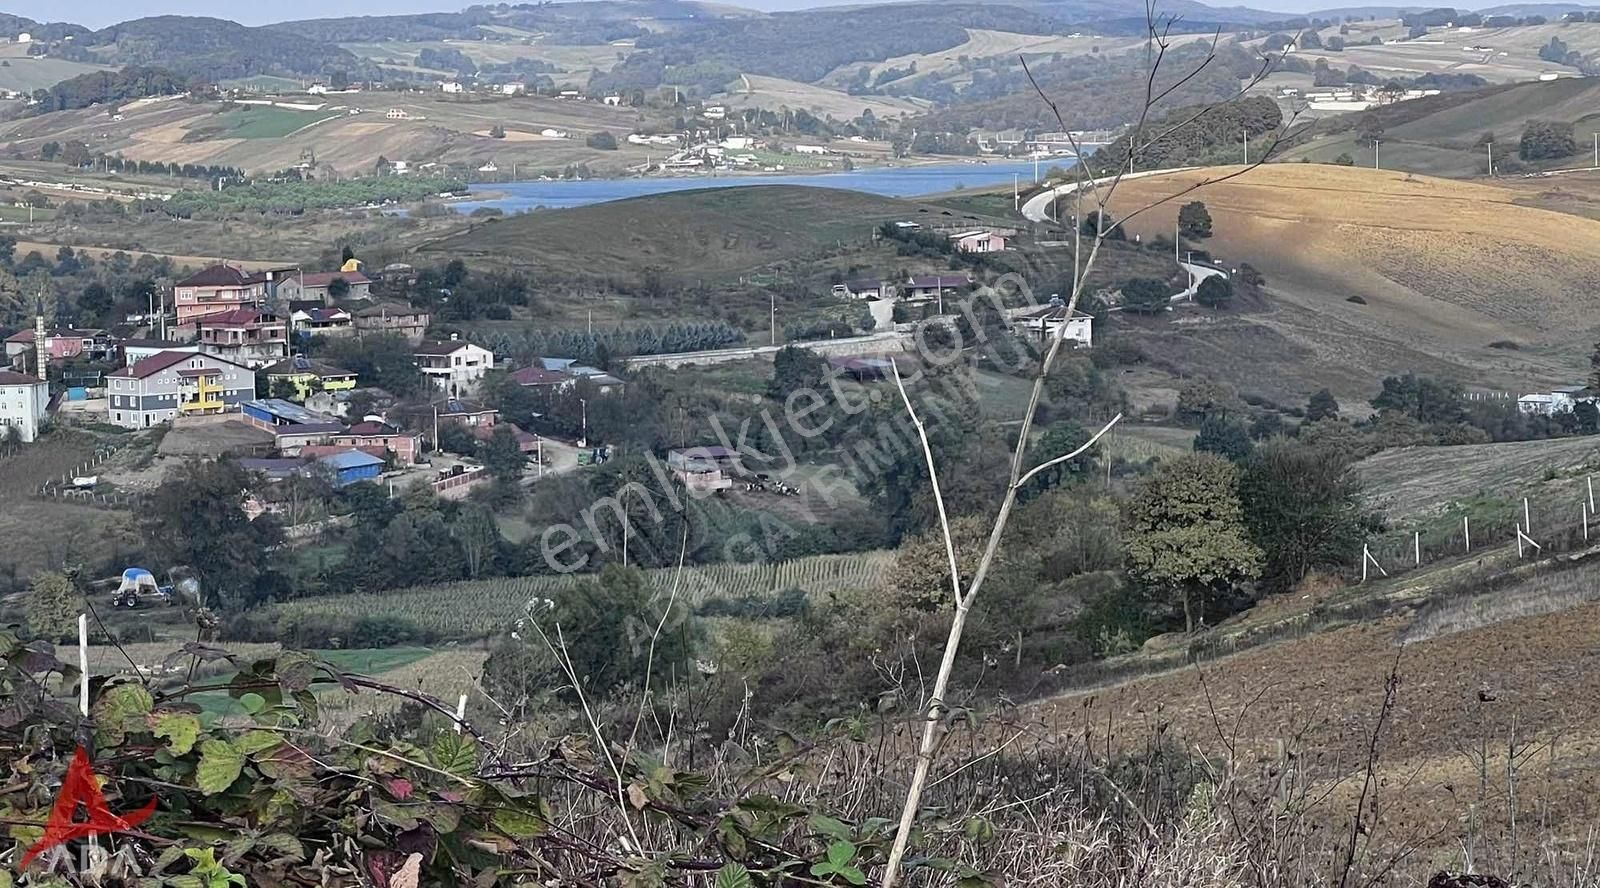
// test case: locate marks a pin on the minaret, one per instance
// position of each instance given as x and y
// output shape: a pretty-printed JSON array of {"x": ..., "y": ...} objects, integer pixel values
[{"x": 39, "y": 344}]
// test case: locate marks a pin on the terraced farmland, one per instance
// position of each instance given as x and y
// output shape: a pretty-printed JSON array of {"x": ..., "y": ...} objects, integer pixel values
[{"x": 481, "y": 607}]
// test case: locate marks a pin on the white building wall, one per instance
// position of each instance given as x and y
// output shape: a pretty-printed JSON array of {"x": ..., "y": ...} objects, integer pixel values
[{"x": 24, "y": 408}]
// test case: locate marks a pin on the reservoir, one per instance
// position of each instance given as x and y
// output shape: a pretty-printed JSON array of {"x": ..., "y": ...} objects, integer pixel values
[{"x": 904, "y": 181}]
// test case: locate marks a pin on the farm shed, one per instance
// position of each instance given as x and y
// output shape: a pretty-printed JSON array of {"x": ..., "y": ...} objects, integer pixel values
[{"x": 352, "y": 466}]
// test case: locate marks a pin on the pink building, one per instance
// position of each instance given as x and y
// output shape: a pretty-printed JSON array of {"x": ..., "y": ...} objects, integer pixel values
[
  {"x": 404, "y": 445},
  {"x": 61, "y": 344},
  {"x": 218, "y": 289}
]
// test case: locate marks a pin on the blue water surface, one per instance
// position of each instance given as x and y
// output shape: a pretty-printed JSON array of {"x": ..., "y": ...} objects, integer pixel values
[{"x": 905, "y": 181}]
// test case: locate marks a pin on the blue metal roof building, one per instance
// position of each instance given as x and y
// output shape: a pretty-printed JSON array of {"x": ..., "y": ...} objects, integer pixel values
[{"x": 352, "y": 466}]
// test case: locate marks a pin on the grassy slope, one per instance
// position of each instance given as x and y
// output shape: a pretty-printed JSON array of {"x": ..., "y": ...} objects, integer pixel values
[
  {"x": 484, "y": 607},
  {"x": 1438, "y": 135},
  {"x": 1445, "y": 268},
  {"x": 704, "y": 234}
]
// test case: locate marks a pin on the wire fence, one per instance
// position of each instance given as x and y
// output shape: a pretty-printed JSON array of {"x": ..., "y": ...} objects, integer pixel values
[
  {"x": 66, "y": 487},
  {"x": 1540, "y": 524}
]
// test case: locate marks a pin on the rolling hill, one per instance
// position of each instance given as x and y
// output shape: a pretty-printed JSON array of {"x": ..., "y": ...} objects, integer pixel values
[
  {"x": 1440, "y": 135},
  {"x": 703, "y": 234},
  {"x": 1371, "y": 273}
]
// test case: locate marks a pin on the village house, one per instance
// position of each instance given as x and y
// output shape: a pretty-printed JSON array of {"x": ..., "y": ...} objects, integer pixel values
[
  {"x": 978, "y": 241},
  {"x": 454, "y": 367},
  {"x": 322, "y": 322},
  {"x": 1052, "y": 320},
  {"x": 864, "y": 288},
  {"x": 59, "y": 344},
  {"x": 24, "y": 404},
  {"x": 935, "y": 286},
  {"x": 245, "y": 336},
  {"x": 136, "y": 350},
  {"x": 595, "y": 379},
  {"x": 405, "y": 446},
  {"x": 392, "y": 317},
  {"x": 539, "y": 377},
  {"x": 215, "y": 290},
  {"x": 703, "y": 468},
  {"x": 306, "y": 375},
  {"x": 315, "y": 287},
  {"x": 350, "y": 466},
  {"x": 172, "y": 384},
  {"x": 1561, "y": 399},
  {"x": 274, "y": 414}
]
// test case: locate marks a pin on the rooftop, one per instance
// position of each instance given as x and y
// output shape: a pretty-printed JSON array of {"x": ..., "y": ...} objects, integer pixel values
[
  {"x": 221, "y": 276},
  {"x": 374, "y": 429},
  {"x": 324, "y": 278},
  {"x": 300, "y": 364},
  {"x": 350, "y": 459},
  {"x": 239, "y": 317},
  {"x": 288, "y": 411},
  {"x": 162, "y": 360},
  {"x": 940, "y": 280},
  {"x": 440, "y": 348},
  {"x": 11, "y": 377},
  {"x": 539, "y": 376},
  {"x": 386, "y": 309}
]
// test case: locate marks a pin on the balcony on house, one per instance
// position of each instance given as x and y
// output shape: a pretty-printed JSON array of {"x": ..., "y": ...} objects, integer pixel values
[{"x": 200, "y": 391}]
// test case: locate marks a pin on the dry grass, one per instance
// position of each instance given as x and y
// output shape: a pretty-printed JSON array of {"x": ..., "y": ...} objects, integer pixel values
[
  {"x": 1419, "y": 482},
  {"x": 1547, "y": 594},
  {"x": 1320, "y": 693},
  {"x": 1445, "y": 268}
]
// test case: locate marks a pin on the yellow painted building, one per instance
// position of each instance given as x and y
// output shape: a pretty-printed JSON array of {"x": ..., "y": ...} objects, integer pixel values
[{"x": 307, "y": 376}]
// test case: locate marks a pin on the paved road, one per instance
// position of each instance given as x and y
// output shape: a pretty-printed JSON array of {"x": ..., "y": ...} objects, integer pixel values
[{"x": 1037, "y": 208}]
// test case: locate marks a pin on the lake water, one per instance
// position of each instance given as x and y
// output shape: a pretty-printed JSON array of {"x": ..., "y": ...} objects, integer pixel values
[{"x": 906, "y": 181}]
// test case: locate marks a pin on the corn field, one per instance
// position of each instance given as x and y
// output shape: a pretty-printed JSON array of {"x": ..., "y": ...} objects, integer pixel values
[{"x": 482, "y": 607}]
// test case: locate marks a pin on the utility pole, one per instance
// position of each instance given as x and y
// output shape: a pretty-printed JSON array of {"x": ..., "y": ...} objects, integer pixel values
[
  {"x": 583, "y": 403},
  {"x": 1016, "y": 194},
  {"x": 1597, "y": 150},
  {"x": 1374, "y": 153},
  {"x": 1490, "y": 146},
  {"x": 1035, "y": 168},
  {"x": 1246, "y": 147}
]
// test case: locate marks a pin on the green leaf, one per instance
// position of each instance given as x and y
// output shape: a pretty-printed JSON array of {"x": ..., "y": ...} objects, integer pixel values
[
  {"x": 181, "y": 729},
  {"x": 517, "y": 824},
  {"x": 220, "y": 764},
  {"x": 455, "y": 754},
  {"x": 732, "y": 875},
  {"x": 5, "y": 879},
  {"x": 841, "y": 853},
  {"x": 120, "y": 709},
  {"x": 979, "y": 830},
  {"x": 252, "y": 702},
  {"x": 254, "y": 742},
  {"x": 853, "y": 875},
  {"x": 186, "y": 881},
  {"x": 830, "y": 827}
]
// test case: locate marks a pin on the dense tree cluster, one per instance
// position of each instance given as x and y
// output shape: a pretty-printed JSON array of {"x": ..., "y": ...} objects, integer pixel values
[
  {"x": 110, "y": 87},
  {"x": 299, "y": 196},
  {"x": 1547, "y": 140}
]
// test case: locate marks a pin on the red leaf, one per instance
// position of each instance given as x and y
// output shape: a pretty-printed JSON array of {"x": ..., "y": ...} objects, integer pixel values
[{"x": 400, "y": 788}]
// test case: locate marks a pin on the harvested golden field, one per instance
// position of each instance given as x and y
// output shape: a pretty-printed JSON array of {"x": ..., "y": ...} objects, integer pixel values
[
  {"x": 1442, "y": 269},
  {"x": 1478, "y": 677}
]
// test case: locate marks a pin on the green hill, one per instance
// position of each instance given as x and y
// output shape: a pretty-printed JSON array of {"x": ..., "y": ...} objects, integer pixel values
[{"x": 704, "y": 234}]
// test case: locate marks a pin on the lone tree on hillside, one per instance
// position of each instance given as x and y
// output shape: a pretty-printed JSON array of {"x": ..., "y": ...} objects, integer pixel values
[
  {"x": 1321, "y": 406},
  {"x": 497, "y": 132},
  {"x": 1144, "y": 295},
  {"x": 1224, "y": 436},
  {"x": 1214, "y": 292},
  {"x": 1303, "y": 507},
  {"x": 1187, "y": 537},
  {"x": 602, "y": 140},
  {"x": 1546, "y": 140},
  {"x": 1369, "y": 128},
  {"x": 1194, "y": 220}
]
